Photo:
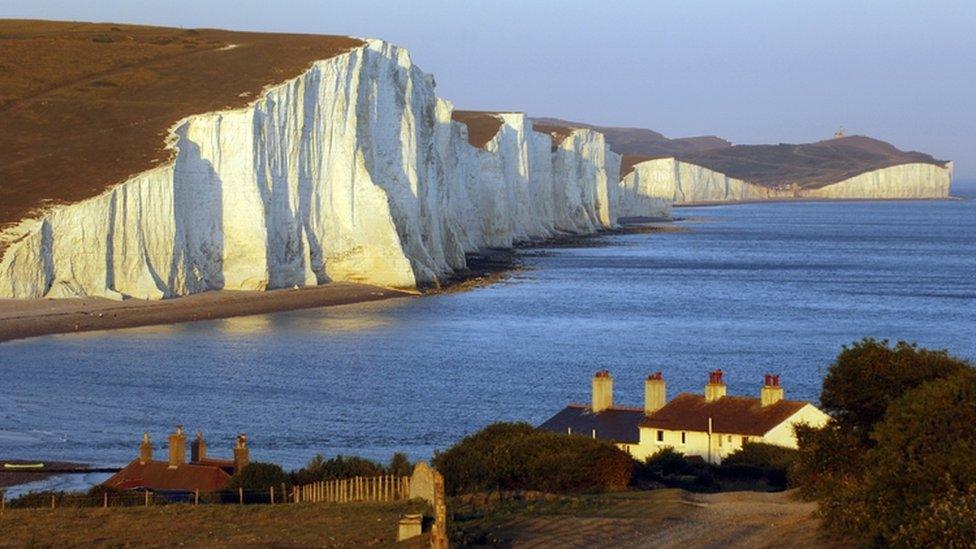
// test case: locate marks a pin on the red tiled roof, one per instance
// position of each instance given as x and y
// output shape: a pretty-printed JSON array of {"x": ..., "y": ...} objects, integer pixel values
[
  {"x": 157, "y": 475},
  {"x": 732, "y": 415}
]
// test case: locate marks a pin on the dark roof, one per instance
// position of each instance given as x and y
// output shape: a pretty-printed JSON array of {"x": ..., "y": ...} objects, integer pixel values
[
  {"x": 157, "y": 475},
  {"x": 733, "y": 415},
  {"x": 618, "y": 424}
]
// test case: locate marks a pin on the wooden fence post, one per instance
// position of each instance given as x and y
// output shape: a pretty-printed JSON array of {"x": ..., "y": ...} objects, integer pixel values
[
  {"x": 240, "y": 496},
  {"x": 3, "y": 500},
  {"x": 196, "y": 496},
  {"x": 147, "y": 497},
  {"x": 271, "y": 491},
  {"x": 105, "y": 500},
  {"x": 52, "y": 502}
]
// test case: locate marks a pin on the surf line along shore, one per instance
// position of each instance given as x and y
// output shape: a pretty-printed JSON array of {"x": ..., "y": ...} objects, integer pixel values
[{"x": 23, "y": 318}]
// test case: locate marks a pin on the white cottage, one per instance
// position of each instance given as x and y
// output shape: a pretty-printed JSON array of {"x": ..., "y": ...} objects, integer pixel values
[{"x": 711, "y": 425}]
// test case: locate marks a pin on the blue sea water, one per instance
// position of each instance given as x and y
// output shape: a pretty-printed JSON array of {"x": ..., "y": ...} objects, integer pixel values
[{"x": 750, "y": 289}]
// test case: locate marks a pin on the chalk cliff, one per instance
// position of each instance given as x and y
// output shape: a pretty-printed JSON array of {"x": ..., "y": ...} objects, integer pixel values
[
  {"x": 648, "y": 190},
  {"x": 695, "y": 184},
  {"x": 352, "y": 171}
]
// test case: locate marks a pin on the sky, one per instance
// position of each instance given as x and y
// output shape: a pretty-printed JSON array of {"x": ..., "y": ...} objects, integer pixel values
[{"x": 748, "y": 71}]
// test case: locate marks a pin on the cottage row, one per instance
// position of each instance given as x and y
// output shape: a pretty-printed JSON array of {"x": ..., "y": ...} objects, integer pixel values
[
  {"x": 710, "y": 425},
  {"x": 201, "y": 473}
]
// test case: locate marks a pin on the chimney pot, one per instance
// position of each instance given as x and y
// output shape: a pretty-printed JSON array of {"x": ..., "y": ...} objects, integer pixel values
[
  {"x": 241, "y": 453},
  {"x": 602, "y": 391},
  {"x": 177, "y": 448},
  {"x": 198, "y": 449},
  {"x": 771, "y": 392},
  {"x": 716, "y": 386},
  {"x": 655, "y": 393},
  {"x": 145, "y": 449}
]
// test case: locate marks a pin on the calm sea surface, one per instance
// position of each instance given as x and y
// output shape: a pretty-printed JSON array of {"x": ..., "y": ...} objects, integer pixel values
[{"x": 749, "y": 289}]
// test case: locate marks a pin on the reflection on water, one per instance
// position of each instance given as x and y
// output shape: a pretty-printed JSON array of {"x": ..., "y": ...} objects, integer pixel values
[{"x": 750, "y": 289}]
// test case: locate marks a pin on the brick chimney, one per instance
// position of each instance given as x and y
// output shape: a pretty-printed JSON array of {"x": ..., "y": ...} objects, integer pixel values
[
  {"x": 771, "y": 392},
  {"x": 145, "y": 449},
  {"x": 241, "y": 453},
  {"x": 655, "y": 395},
  {"x": 602, "y": 391},
  {"x": 177, "y": 448},
  {"x": 198, "y": 449},
  {"x": 716, "y": 387}
]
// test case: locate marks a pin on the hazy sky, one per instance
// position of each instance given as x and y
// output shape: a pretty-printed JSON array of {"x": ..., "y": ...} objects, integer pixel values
[{"x": 752, "y": 72}]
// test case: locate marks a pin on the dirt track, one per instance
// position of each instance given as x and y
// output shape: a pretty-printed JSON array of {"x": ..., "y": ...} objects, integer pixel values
[{"x": 672, "y": 518}]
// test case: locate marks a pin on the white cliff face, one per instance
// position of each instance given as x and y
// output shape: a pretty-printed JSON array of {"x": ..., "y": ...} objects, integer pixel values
[
  {"x": 353, "y": 171},
  {"x": 648, "y": 190},
  {"x": 905, "y": 181},
  {"x": 696, "y": 184}
]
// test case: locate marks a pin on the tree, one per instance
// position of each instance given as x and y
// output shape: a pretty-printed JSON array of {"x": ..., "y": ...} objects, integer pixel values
[
  {"x": 319, "y": 469},
  {"x": 399, "y": 465},
  {"x": 925, "y": 449},
  {"x": 258, "y": 476},
  {"x": 868, "y": 375}
]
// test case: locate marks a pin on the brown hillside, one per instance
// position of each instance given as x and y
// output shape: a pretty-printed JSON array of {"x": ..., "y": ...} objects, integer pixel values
[
  {"x": 641, "y": 142},
  {"x": 482, "y": 126},
  {"x": 86, "y": 105},
  {"x": 810, "y": 165}
]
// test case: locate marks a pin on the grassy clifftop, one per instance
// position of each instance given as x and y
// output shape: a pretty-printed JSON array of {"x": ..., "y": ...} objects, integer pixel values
[{"x": 85, "y": 105}]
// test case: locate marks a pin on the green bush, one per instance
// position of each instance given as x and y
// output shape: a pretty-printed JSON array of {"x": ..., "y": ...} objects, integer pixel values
[
  {"x": 949, "y": 522},
  {"x": 257, "y": 476},
  {"x": 763, "y": 461},
  {"x": 516, "y": 456},
  {"x": 925, "y": 449},
  {"x": 869, "y": 375},
  {"x": 901, "y": 438}
]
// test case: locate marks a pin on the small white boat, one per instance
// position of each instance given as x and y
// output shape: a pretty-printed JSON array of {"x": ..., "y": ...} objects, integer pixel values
[{"x": 23, "y": 465}]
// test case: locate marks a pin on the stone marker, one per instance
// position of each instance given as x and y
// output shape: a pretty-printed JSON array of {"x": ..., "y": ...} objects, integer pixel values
[
  {"x": 422, "y": 483},
  {"x": 409, "y": 527}
]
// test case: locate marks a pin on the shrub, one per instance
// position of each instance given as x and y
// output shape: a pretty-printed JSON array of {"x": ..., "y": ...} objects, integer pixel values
[
  {"x": 925, "y": 448},
  {"x": 948, "y": 522},
  {"x": 516, "y": 456},
  {"x": 658, "y": 467},
  {"x": 901, "y": 439},
  {"x": 827, "y": 457},
  {"x": 320, "y": 468},
  {"x": 869, "y": 375},
  {"x": 762, "y": 461},
  {"x": 257, "y": 476}
]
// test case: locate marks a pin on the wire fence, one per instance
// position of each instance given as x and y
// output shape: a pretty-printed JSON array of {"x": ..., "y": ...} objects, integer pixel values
[
  {"x": 356, "y": 489},
  {"x": 147, "y": 498}
]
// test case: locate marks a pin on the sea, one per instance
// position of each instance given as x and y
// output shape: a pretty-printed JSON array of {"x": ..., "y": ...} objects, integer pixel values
[{"x": 749, "y": 289}]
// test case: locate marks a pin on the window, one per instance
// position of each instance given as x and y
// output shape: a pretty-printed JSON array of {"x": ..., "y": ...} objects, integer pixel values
[
  {"x": 730, "y": 439},
  {"x": 742, "y": 442},
  {"x": 660, "y": 436},
  {"x": 683, "y": 437}
]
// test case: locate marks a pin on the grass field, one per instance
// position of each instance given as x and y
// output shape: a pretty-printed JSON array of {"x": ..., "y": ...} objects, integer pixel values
[{"x": 321, "y": 525}]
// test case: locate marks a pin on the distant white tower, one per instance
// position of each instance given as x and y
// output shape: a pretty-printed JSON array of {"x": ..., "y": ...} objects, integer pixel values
[{"x": 839, "y": 133}]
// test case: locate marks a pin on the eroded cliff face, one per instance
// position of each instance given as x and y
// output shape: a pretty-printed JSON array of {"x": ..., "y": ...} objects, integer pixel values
[
  {"x": 353, "y": 171},
  {"x": 695, "y": 184},
  {"x": 648, "y": 190}
]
